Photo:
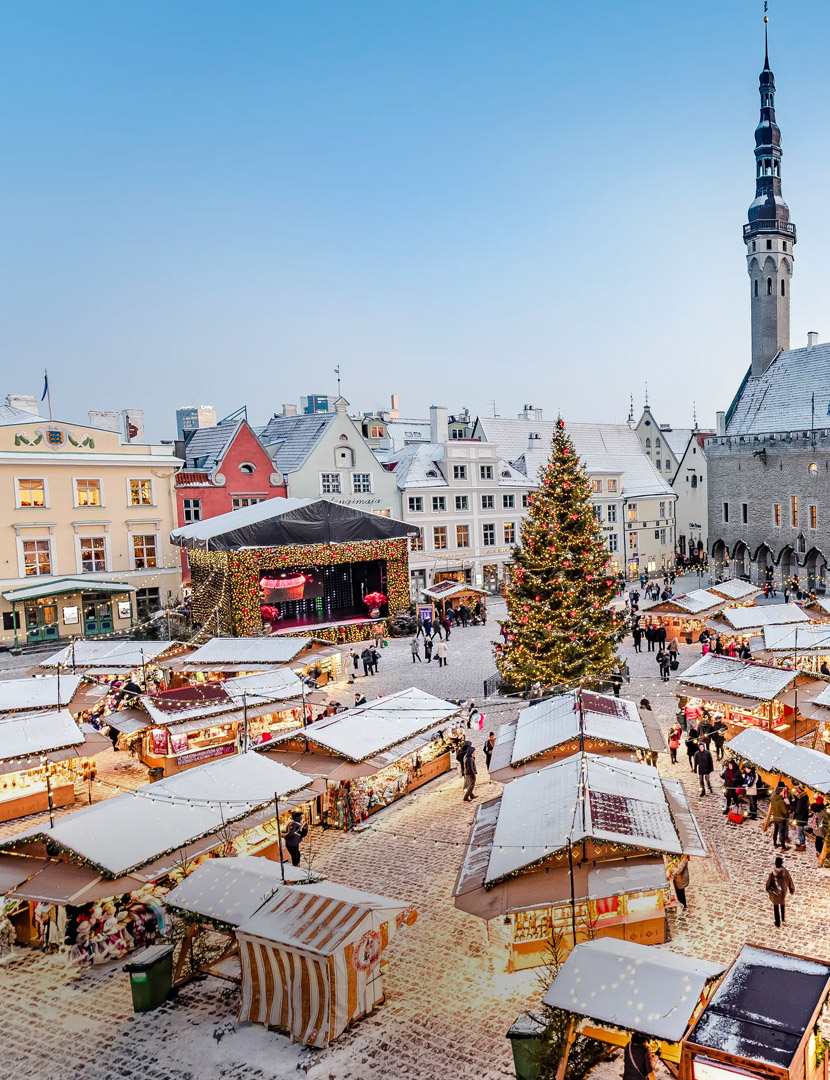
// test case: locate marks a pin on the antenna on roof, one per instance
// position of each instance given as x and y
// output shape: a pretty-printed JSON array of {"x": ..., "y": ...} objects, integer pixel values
[
  {"x": 630, "y": 419},
  {"x": 646, "y": 395},
  {"x": 337, "y": 373},
  {"x": 694, "y": 415}
]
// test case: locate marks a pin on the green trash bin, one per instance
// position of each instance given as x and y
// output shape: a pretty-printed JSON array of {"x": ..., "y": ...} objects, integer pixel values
[
  {"x": 151, "y": 977},
  {"x": 525, "y": 1039}
]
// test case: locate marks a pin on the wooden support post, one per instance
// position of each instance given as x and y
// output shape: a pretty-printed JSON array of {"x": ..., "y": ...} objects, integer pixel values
[{"x": 570, "y": 1035}]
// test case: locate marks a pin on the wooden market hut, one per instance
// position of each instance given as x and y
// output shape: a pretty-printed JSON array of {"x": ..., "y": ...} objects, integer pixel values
[
  {"x": 579, "y": 849},
  {"x": 778, "y": 760},
  {"x": 655, "y": 992},
  {"x": 736, "y": 591},
  {"x": 560, "y": 726},
  {"x": 805, "y": 647},
  {"x": 762, "y": 1021},
  {"x": 684, "y": 615},
  {"x": 751, "y": 621},
  {"x": 444, "y": 594},
  {"x": 108, "y": 658}
]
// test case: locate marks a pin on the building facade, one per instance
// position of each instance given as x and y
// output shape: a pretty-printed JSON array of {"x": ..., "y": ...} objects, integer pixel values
[
  {"x": 769, "y": 462},
  {"x": 190, "y": 418},
  {"x": 86, "y": 537}
]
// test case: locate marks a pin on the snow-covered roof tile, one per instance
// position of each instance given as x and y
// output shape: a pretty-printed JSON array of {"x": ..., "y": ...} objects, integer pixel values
[
  {"x": 741, "y": 678},
  {"x": 122, "y": 654},
  {"x": 542, "y": 727},
  {"x": 735, "y": 589},
  {"x": 796, "y": 640},
  {"x": 754, "y": 617},
  {"x": 23, "y": 734},
  {"x": 230, "y": 650},
  {"x": 793, "y": 394},
  {"x": 290, "y": 439},
  {"x": 43, "y": 693}
]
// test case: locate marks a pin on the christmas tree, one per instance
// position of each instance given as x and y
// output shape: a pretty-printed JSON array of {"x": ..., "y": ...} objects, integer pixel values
[{"x": 559, "y": 629}]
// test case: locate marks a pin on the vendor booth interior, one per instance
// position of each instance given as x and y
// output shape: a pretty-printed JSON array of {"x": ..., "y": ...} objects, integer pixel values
[
  {"x": 297, "y": 566},
  {"x": 579, "y": 849}
]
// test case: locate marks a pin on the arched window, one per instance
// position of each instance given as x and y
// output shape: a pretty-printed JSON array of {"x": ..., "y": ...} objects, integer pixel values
[
  {"x": 769, "y": 286},
  {"x": 247, "y": 467},
  {"x": 648, "y": 444},
  {"x": 783, "y": 290},
  {"x": 756, "y": 286}
]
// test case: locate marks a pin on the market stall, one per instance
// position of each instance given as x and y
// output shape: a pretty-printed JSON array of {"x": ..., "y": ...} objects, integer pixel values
[
  {"x": 560, "y": 726},
  {"x": 777, "y": 760},
  {"x": 745, "y": 694},
  {"x": 371, "y": 755},
  {"x": 804, "y": 647},
  {"x": 684, "y": 615},
  {"x": 579, "y": 849},
  {"x": 112, "y": 657},
  {"x": 221, "y": 658},
  {"x": 452, "y": 594},
  {"x": 48, "y": 692},
  {"x": 312, "y": 958},
  {"x": 750, "y": 621},
  {"x": 818, "y": 709},
  {"x": 762, "y": 1021},
  {"x": 736, "y": 591},
  {"x": 655, "y": 992}
]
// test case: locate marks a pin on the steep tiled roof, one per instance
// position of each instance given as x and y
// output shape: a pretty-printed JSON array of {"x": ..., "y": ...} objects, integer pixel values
[
  {"x": 782, "y": 398},
  {"x": 207, "y": 446},
  {"x": 290, "y": 439}
]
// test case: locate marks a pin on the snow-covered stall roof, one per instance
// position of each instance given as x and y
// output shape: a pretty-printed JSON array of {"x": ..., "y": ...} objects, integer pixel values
[
  {"x": 112, "y": 655},
  {"x": 229, "y": 891},
  {"x": 443, "y": 590},
  {"x": 30, "y": 694},
  {"x": 823, "y": 698},
  {"x": 752, "y": 618},
  {"x": 219, "y": 652},
  {"x": 25, "y": 734},
  {"x": 541, "y": 813},
  {"x": 129, "y": 831},
  {"x": 797, "y": 640},
  {"x": 738, "y": 678},
  {"x": 558, "y": 720},
  {"x": 774, "y": 755},
  {"x": 763, "y": 1007},
  {"x": 735, "y": 589},
  {"x": 697, "y": 602},
  {"x": 254, "y": 692},
  {"x": 367, "y": 730},
  {"x": 650, "y": 990}
]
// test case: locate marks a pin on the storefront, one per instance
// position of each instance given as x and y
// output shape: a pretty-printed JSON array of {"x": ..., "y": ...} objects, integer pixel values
[
  {"x": 62, "y": 607},
  {"x": 587, "y": 871},
  {"x": 371, "y": 755},
  {"x": 746, "y": 694},
  {"x": 560, "y": 726}
]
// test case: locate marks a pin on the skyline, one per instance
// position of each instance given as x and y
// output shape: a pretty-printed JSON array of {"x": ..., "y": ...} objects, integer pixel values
[{"x": 429, "y": 199}]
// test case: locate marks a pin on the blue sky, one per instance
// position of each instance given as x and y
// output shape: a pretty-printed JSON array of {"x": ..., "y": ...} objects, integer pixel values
[{"x": 458, "y": 202}]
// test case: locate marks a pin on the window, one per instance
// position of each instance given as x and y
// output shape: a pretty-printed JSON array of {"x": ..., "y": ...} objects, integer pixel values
[
  {"x": 785, "y": 245},
  {"x": 613, "y": 542},
  {"x": 510, "y": 532},
  {"x": 416, "y": 504},
  {"x": 361, "y": 483},
  {"x": 508, "y": 502},
  {"x": 632, "y": 541},
  {"x": 439, "y": 504},
  {"x": 462, "y": 502},
  {"x": 658, "y": 464},
  {"x": 462, "y": 536},
  {"x": 769, "y": 283},
  {"x": 144, "y": 552},
  {"x": 459, "y": 472},
  {"x": 596, "y": 485},
  {"x": 662, "y": 509},
  {"x": 330, "y": 483},
  {"x": 776, "y": 513},
  {"x": 141, "y": 492},
  {"x": 662, "y": 536},
  {"x": 525, "y": 501},
  {"x": 657, "y": 444},
  {"x": 612, "y": 485},
  {"x": 794, "y": 511},
  {"x": 238, "y": 501},
  {"x": 376, "y": 433},
  {"x": 192, "y": 509},
  {"x": 485, "y": 472},
  {"x": 31, "y": 492},
  {"x": 93, "y": 554},
  {"x": 756, "y": 286},
  {"x": 37, "y": 558},
  {"x": 632, "y": 512},
  {"x": 488, "y": 502},
  {"x": 597, "y": 511},
  {"x": 783, "y": 291},
  {"x": 694, "y": 480},
  {"x": 87, "y": 492},
  {"x": 648, "y": 444},
  {"x": 744, "y": 513},
  {"x": 725, "y": 512},
  {"x": 247, "y": 467},
  {"x": 489, "y": 535},
  {"x": 611, "y": 515},
  {"x": 656, "y": 534},
  {"x": 813, "y": 517},
  {"x": 417, "y": 542},
  {"x": 11, "y": 620},
  {"x": 668, "y": 465},
  {"x": 147, "y": 601},
  {"x": 439, "y": 537}
]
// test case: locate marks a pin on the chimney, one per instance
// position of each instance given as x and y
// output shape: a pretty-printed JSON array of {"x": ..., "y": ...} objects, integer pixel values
[
  {"x": 101, "y": 418},
  {"x": 720, "y": 423},
  {"x": 289, "y": 410},
  {"x": 530, "y": 412},
  {"x": 132, "y": 426},
  {"x": 393, "y": 411},
  {"x": 533, "y": 442},
  {"x": 438, "y": 430},
  {"x": 812, "y": 339},
  {"x": 25, "y": 402}
]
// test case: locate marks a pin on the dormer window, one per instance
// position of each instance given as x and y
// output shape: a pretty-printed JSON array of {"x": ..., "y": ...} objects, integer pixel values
[{"x": 247, "y": 467}]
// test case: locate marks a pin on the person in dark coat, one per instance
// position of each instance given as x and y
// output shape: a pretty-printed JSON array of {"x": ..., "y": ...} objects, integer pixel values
[
  {"x": 801, "y": 815},
  {"x": 732, "y": 779},
  {"x": 637, "y": 634},
  {"x": 616, "y": 680},
  {"x": 718, "y": 732},
  {"x": 779, "y": 815},
  {"x": 428, "y": 650},
  {"x": 489, "y": 746},
  {"x": 650, "y": 639},
  {"x": 469, "y": 771},
  {"x": 704, "y": 767},
  {"x": 779, "y": 883},
  {"x": 692, "y": 746},
  {"x": 366, "y": 657},
  {"x": 637, "y": 1063},
  {"x": 297, "y": 829},
  {"x": 664, "y": 662}
]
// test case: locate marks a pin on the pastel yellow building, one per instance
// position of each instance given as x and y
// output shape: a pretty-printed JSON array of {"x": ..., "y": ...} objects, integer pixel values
[{"x": 85, "y": 536}]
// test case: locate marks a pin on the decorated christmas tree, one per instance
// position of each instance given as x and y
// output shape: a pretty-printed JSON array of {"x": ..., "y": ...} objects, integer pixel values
[{"x": 559, "y": 629}]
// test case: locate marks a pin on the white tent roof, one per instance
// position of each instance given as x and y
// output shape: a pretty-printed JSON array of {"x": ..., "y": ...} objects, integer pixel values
[
  {"x": 231, "y": 890},
  {"x": 547, "y": 725},
  {"x": 24, "y": 734},
  {"x": 644, "y": 989},
  {"x": 750, "y": 618},
  {"x": 253, "y": 691},
  {"x": 737, "y": 677},
  {"x": 773, "y": 754},
  {"x": 37, "y": 693},
  {"x": 125, "y": 654},
  {"x": 359, "y": 733},
  {"x": 735, "y": 589},
  {"x": 797, "y": 640},
  {"x": 241, "y": 650}
]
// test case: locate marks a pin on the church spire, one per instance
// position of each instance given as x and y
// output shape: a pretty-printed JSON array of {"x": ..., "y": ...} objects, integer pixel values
[{"x": 769, "y": 234}]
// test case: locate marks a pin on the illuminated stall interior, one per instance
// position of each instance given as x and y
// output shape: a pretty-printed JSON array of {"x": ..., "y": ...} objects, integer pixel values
[
  {"x": 802, "y": 647},
  {"x": 684, "y": 616},
  {"x": 560, "y": 726},
  {"x": 580, "y": 849},
  {"x": 371, "y": 755}
]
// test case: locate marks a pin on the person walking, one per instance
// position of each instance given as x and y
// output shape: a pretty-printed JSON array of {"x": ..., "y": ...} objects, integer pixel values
[
  {"x": 416, "y": 655},
  {"x": 820, "y": 826},
  {"x": 464, "y": 615},
  {"x": 779, "y": 883},
  {"x": 471, "y": 712},
  {"x": 297, "y": 829},
  {"x": 674, "y": 742},
  {"x": 680, "y": 879},
  {"x": 718, "y": 739},
  {"x": 468, "y": 769},
  {"x": 674, "y": 648},
  {"x": 355, "y": 659},
  {"x": 779, "y": 815},
  {"x": 650, "y": 637},
  {"x": 616, "y": 680},
  {"x": 692, "y": 746},
  {"x": 420, "y": 625},
  {"x": 375, "y": 659},
  {"x": 489, "y": 747},
  {"x": 446, "y": 622},
  {"x": 704, "y": 767},
  {"x": 637, "y": 1064},
  {"x": 428, "y": 650},
  {"x": 801, "y": 816},
  {"x": 664, "y": 660},
  {"x": 732, "y": 780},
  {"x": 441, "y": 653},
  {"x": 637, "y": 634},
  {"x": 366, "y": 657},
  {"x": 751, "y": 788}
]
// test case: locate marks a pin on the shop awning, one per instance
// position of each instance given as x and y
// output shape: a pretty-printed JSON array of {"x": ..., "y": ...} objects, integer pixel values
[
  {"x": 128, "y": 721},
  {"x": 59, "y": 586},
  {"x": 774, "y": 755},
  {"x": 653, "y": 991},
  {"x": 15, "y": 869},
  {"x": 691, "y": 838},
  {"x": 67, "y": 883},
  {"x": 445, "y": 590}
]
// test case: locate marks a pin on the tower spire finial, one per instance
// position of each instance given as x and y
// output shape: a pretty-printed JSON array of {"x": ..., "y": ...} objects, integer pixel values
[
  {"x": 766, "y": 38},
  {"x": 646, "y": 395}
]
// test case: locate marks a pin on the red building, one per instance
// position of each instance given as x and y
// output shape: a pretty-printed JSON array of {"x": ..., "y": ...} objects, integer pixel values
[{"x": 226, "y": 467}]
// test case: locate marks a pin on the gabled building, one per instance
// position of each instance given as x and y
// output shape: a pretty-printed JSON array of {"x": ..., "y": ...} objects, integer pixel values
[{"x": 664, "y": 445}]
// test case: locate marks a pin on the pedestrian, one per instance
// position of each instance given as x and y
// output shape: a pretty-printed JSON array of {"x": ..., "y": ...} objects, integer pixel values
[
  {"x": 751, "y": 788},
  {"x": 489, "y": 747},
  {"x": 468, "y": 769},
  {"x": 416, "y": 655},
  {"x": 637, "y": 1059},
  {"x": 471, "y": 712},
  {"x": 680, "y": 879},
  {"x": 650, "y": 637},
  {"x": 637, "y": 634},
  {"x": 801, "y": 816},
  {"x": 821, "y": 826},
  {"x": 779, "y": 883},
  {"x": 441, "y": 653},
  {"x": 616, "y": 681},
  {"x": 824, "y": 669},
  {"x": 355, "y": 659},
  {"x": 665, "y": 664},
  {"x": 704, "y": 767},
  {"x": 779, "y": 815},
  {"x": 375, "y": 653},
  {"x": 692, "y": 746},
  {"x": 297, "y": 829},
  {"x": 428, "y": 650},
  {"x": 420, "y": 625},
  {"x": 674, "y": 648},
  {"x": 535, "y": 691},
  {"x": 359, "y": 699},
  {"x": 464, "y": 613},
  {"x": 447, "y": 623},
  {"x": 718, "y": 739},
  {"x": 674, "y": 742},
  {"x": 732, "y": 780},
  {"x": 366, "y": 657}
]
